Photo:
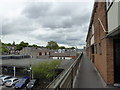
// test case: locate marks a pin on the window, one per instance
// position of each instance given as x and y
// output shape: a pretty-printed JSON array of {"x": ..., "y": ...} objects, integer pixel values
[
  {"x": 92, "y": 49},
  {"x": 100, "y": 49},
  {"x": 40, "y": 54},
  {"x": 92, "y": 29}
]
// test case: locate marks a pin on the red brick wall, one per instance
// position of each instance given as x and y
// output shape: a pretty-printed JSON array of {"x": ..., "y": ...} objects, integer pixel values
[
  {"x": 110, "y": 61},
  {"x": 105, "y": 61}
]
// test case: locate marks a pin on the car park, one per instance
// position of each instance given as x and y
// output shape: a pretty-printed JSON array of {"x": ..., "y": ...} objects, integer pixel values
[
  {"x": 11, "y": 81},
  {"x": 3, "y": 79},
  {"x": 13, "y": 85},
  {"x": 32, "y": 84},
  {"x": 22, "y": 83}
]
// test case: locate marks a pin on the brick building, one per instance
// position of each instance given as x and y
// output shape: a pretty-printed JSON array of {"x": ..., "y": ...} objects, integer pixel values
[{"x": 103, "y": 40}]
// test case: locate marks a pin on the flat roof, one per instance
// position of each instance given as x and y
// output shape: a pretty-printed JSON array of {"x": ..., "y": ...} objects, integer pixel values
[{"x": 26, "y": 62}]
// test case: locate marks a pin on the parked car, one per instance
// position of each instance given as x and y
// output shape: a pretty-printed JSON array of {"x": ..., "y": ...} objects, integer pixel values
[
  {"x": 32, "y": 84},
  {"x": 3, "y": 79},
  {"x": 13, "y": 85},
  {"x": 10, "y": 82},
  {"x": 1, "y": 76},
  {"x": 22, "y": 83}
]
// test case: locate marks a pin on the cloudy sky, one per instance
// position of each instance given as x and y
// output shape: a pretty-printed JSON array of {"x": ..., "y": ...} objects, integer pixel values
[{"x": 38, "y": 22}]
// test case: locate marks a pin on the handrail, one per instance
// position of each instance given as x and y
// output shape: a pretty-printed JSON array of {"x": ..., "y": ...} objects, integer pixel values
[{"x": 60, "y": 78}]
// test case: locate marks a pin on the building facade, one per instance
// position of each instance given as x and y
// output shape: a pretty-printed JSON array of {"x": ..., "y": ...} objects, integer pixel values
[
  {"x": 44, "y": 53},
  {"x": 103, "y": 40}
]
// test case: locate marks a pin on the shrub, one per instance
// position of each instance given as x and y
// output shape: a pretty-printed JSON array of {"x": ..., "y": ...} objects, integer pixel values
[{"x": 45, "y": 70}]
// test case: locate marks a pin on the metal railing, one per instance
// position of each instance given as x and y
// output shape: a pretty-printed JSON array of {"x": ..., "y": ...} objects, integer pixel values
[{"x": 66, "y": 78}]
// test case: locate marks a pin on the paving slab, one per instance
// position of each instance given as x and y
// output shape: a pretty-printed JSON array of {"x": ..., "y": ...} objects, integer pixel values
[{"x": 87, "y": 75}]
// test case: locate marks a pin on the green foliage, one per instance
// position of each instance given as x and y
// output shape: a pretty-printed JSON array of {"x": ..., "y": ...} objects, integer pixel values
[
  {"x": 9, "y": 44},
  {"x": 72, "y": 47},
  {"x": 61, "y": 47},
  {"x": 13, "y": 43},
  {"x": 52, "y": 45},
  {"x": 34, "y": 45},
  {"x": 21, "y": 45},
  {"x": 45, "y": 70},
  {"x": 4, "y": 50}
]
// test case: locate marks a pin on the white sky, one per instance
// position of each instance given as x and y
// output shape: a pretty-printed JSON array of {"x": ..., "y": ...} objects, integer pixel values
[{"x": 39, "y": 21}]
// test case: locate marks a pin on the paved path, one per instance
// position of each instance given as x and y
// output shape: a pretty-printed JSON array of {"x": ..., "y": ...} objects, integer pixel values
[{"x": 88, "y": 76}]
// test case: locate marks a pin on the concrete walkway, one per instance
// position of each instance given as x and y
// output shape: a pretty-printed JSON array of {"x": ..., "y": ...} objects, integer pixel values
[{"x": 88, "y": 76}]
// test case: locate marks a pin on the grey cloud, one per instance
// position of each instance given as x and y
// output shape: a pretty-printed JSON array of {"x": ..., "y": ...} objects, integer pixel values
[
  {"x": 64, "y": 36},
  {"x": 36, "y": 10},
  {"x": 55, "y": 22},
  {"x": 20, "y": 25},
  {"x": 67, "y": 22},
  {"x": 57, "y": 15}
]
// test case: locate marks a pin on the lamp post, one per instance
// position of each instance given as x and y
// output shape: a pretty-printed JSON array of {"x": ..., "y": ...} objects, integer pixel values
[
  {"x": 14, "y": 70},
  {"x": 30, "y": 71}
]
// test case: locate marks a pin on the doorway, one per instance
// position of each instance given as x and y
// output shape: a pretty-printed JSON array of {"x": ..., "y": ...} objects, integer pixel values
[{"x": 117, "y": 60}]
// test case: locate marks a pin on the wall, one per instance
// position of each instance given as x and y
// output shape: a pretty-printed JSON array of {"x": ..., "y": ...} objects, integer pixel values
[
  {"x": 103, "y": 53},
  {"x": 103, "y": 60},
  {"x": 113, "y": 16}
]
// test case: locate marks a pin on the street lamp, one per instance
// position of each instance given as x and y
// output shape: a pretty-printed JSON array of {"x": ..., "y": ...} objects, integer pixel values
[
  {"x": 30, "y": 70},
  {"x": 14, "y": 69}
]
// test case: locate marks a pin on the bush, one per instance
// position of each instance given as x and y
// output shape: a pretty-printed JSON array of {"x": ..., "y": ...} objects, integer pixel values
[{"x": 45, "y": 70}]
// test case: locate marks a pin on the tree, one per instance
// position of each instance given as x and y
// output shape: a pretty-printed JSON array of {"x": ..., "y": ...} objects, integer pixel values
[
  {"x": 4, "y": 50},
  {"x": 13, "y": 44},
  {"x": 72, "y": 47},
  {"x": 34, "y": 45},
  {"x": 52, "y": 45},
  {"x": 9, "y": 44},
  {"x": 45, "y": 70},
  {"x": 21, "y": 45},
  {"x": 61, "y": 47}
]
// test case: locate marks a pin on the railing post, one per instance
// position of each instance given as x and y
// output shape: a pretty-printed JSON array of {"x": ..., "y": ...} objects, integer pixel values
[{"x": 72, "y": 77}]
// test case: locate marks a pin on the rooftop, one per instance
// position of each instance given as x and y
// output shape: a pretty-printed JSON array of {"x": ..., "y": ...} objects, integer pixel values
[{"x": 26, "y": 62}]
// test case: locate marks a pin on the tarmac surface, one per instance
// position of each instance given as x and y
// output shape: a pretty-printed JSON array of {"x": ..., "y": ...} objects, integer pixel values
[
  {"x": 65, "y": 63},
  {"x": 87, "y": 76}
]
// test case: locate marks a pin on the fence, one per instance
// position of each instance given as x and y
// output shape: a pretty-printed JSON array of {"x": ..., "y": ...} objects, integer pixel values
[{"x": 66, "y": 78}]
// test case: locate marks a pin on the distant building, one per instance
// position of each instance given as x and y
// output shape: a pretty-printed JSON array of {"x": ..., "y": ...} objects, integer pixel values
[
  {"x": 103, "y": 40},
  {"x": 64, "y": 54},
  {"x": 47, "y": 53},
  {"x": 12, "y": 50},
  {"x": 36, "y": 52}
]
